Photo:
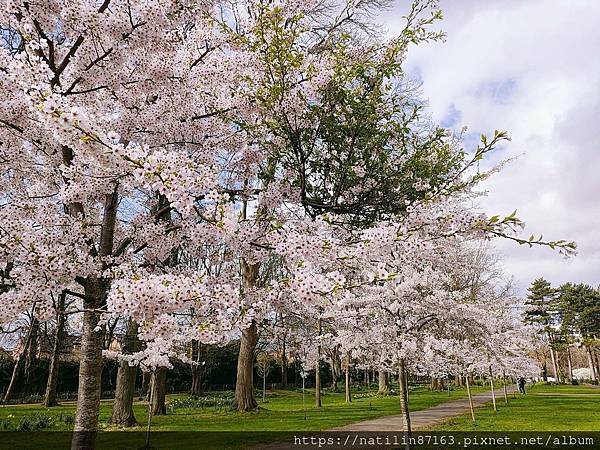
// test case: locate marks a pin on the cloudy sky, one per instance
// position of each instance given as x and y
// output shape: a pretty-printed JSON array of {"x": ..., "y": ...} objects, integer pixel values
[{"x": 531, "y": 67}]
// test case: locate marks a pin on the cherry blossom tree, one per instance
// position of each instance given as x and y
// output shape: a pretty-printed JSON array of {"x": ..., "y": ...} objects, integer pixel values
[{"x": 134, "y": 136}]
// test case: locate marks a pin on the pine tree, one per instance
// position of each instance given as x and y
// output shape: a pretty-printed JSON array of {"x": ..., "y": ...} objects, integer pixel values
[{"x": 541, "y": 309}]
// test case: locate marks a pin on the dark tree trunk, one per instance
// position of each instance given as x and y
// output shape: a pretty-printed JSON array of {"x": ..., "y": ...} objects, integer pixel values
[
  {"x": 554, "y": 364},
  {"x": 146, "y": 385},
  {"x": 245, "y": 399},
  {"x": 31, "y": 354},
  {"x": 348, "y": 387},
  {"x": 196, "y": 387},
  {"x": 123, "y": 407},
  {"x": 545, "y": 372},
  {"x": 159, "y": 392},
  {"x": 569, "y": 366},
  {"x": 50, "y": 396},
  {"x": 20, "y": 362},
  {"x": 318, "y": 368},
  {"x": 284, "y": 364}
]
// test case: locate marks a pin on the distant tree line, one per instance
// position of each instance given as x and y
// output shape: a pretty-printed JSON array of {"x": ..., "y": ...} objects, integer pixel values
[{"x": 567, "y": 318}]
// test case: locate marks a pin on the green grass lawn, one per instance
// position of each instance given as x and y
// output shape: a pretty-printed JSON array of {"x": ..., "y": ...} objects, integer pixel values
[
  {"x": 543, "y": 408},
  {"x": 283, "y": 411}
]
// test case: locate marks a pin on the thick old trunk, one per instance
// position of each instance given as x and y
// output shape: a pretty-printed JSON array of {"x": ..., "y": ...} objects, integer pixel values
[
  {"x": 123, "y": 407},
  {"x": 158, "y": 387},
  {"x": 384, "y": 384},
  {"x": 90, "y": 368},
  {"x": 92, "y": 338},
  {"x": 458, "y": 380},
  {"x": 50, "y": 396},
  {"x": 437, "y": 384},
  {"x": 245, "y": 399}
]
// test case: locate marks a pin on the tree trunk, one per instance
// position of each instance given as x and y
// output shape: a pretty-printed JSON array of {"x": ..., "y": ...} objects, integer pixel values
[
  {"x": 570, "y": 365},
  {"x": 593, "y": 373},
  {"x": 196, "y": 387},
  {"x": 459, "y": 380},
  {"x": 504, "y": 387},
  {"x": 92, "y": 335},
  {"x": 20, "y": 362},
  {"x": 158, "y": 392},
  {"x": 470, "y": 398},
  {"x": 348, "y": 387},
  {"x": 384, "y": 384},
  {"x": 492, "y": 387},
  {"x": 123, "y": 407},
  {"x": 50, "y": 396},
  {"x": 90, "y": 368},
  {"x": 284, "y": 365},
  {"x": 244, "y": 386},
  {"x": 264, "y": 386},
  {"x": 404, "y": 396},
  {"x": 318, "y": 368},
  {"x": 554, "y": 365},
  {"x": 31, "y": 354}
]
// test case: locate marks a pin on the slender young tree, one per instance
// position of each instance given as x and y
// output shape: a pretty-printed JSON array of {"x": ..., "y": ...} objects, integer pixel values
[{"x": 51, "y": 393}]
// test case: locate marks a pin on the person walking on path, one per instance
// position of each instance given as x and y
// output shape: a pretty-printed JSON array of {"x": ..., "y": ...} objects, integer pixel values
[{"x": 522, "y": 385}]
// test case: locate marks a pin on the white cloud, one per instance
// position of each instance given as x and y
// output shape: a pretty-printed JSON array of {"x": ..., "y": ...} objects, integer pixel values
[{"x": 531, "y": 68}]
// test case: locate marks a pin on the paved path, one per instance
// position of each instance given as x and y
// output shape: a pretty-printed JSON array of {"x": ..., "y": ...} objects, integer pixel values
[
  {"x": 425, "y": 417},
  {"x": 419, "y": 419}
]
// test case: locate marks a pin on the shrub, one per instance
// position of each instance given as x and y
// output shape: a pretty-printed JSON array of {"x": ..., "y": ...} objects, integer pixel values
[
  {"x": 32, "y": 422},
  {"x": 221, "y": 400},
  {"x": 66, "y": 418}
]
